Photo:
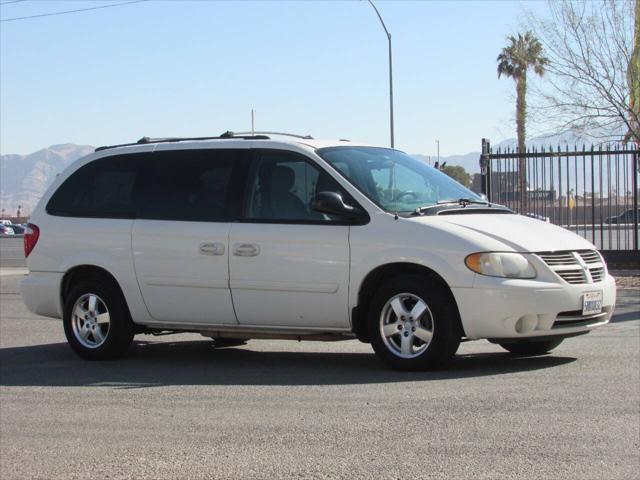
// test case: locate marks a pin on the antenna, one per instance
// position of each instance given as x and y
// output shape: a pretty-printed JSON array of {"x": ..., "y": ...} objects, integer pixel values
[{"x": 253, "y": 122}]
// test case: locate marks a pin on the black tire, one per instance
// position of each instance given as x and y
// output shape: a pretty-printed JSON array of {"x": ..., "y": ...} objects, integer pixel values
[
  {"x": 530, "y": 347},
  {"x": 441, "y": 316},
  {"x": 119, "y": 334}
]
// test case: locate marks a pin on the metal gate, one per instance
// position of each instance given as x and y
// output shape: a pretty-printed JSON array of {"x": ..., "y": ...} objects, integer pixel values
[{"x": 591, "y": 191}]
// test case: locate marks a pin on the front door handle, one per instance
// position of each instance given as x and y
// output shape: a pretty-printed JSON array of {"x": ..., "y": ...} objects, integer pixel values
[
  {"x": 246, "y": 250},
  {"x": 211, "y": 248}
]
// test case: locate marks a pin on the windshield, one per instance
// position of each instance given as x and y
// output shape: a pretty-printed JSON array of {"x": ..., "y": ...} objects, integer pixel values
[{"x": 394, "y": 180}]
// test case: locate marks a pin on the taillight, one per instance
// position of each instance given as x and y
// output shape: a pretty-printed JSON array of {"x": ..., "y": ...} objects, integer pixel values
[{"x": 31, "y": 235}]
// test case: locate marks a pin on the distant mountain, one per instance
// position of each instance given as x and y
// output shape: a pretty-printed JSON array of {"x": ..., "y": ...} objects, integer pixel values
[
  {"x": 24, "y": 178},
  {"x": 471, "y": 161},
  {"x": 567, "y": 138}
]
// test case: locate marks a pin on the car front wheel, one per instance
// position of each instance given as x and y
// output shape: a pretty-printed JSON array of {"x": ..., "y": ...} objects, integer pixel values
[{"x": 413, "y": 323}]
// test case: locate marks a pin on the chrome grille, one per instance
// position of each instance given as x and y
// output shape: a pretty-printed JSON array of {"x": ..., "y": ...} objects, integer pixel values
[
  {"x": 597, "y": 274},
  {"x": 573, "y": 276},
  {"x": 576, "y": 267},
  {"x": 558, "y": 258},
  {"x": 590, "y": 256}
]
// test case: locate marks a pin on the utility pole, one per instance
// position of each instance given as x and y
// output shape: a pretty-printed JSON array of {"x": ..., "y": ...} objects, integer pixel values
[
  {"x": 438, "y": 144},
  {"x": 390, "y": 74}
]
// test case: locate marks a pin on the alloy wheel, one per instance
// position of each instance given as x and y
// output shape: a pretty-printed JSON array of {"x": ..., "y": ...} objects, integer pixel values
[
  {"x": 90, "y": 320},
  {"x": 406, "y": 325}
]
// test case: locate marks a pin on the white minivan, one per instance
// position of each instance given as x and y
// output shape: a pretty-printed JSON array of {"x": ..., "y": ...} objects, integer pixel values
[{"x": 254, "y": 237}]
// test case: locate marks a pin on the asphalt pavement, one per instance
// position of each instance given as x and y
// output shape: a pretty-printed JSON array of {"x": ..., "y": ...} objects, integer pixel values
[
  {"x": 178, "y": 408},
  {"x": 12, "y": 251}
]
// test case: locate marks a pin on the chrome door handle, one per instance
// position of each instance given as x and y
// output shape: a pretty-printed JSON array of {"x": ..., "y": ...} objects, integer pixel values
[
  {"x": 212, "y": 249},
  {"x": 246, "y": 250}
]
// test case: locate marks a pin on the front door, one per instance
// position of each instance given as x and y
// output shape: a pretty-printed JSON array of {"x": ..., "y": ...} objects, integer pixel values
[{"x": 289, "y": 266}]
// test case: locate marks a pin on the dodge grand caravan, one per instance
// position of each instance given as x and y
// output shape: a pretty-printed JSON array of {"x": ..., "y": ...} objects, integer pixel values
[{"x": 249, "y": 237}]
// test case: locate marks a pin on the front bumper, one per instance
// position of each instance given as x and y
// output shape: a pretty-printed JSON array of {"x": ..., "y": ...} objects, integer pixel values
[{"x": 508, "y": 308}]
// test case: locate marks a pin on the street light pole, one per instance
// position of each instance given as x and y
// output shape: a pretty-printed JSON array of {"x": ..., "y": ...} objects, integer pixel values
[{"x": 390, "y": 73}]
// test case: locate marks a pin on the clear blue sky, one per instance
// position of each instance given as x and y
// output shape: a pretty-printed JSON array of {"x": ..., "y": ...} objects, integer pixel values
[{"x": 195, "y": 68}]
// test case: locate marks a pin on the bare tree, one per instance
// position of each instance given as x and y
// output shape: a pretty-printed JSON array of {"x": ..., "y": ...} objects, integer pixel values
[{"x": 592, "y": 67}]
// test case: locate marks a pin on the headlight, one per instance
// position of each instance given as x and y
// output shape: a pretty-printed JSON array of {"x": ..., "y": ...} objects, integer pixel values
[{"x": 497, "y": 264}]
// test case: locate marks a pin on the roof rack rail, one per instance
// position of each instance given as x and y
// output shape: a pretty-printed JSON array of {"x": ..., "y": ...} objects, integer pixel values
[
  {"x": 226, "y": 135},
  {"x": 304, "y": 137}
]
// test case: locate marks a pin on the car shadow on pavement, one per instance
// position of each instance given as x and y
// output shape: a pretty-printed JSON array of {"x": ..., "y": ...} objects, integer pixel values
[
  {"x": 624, "y": 317},
  {"x": 198, "y": 363},
  {"x": 627, "y": 306}
]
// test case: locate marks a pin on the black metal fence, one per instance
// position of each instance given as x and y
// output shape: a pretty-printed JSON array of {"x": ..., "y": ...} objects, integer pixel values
[{"x": 592, "y": 191}]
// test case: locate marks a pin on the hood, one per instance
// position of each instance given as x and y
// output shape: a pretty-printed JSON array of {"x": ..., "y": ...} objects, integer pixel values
[{"x": 514, "y": 232}]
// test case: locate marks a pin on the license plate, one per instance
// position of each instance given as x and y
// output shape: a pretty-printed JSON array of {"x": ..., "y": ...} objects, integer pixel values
[{"x": 592, "y": 303}]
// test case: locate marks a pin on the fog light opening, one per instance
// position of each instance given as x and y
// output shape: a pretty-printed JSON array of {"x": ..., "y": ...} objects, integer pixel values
[{"x": 526, "y": 324}]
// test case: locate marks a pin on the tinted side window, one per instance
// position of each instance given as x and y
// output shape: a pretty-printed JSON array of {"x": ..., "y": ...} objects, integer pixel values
[
  {"x": 282, "y": 186},
  {"x": 102, "y": 188},
  {"x": 190, "y": 185}
]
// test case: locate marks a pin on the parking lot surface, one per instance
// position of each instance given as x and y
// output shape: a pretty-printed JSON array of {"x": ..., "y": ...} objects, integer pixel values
[
  {"x": 177, "y": 408},
  {"x": 12, "y": 251}
]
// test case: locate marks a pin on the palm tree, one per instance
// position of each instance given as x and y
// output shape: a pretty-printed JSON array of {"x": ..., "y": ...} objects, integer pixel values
[{"x": 522, "y": 52}]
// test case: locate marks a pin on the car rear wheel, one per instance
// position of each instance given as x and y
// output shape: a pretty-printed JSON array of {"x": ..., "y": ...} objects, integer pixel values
[
  {"x": 97, "y": 323},
  {"x": 413, "y": 324},
  {"x": 528, "y": 347}
]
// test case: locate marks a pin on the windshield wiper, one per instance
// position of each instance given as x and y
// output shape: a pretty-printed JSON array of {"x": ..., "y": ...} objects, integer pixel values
[{"x": 463, "y": 202}]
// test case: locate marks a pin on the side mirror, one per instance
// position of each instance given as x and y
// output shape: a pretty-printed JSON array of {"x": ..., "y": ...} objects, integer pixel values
[{"x": 331, "y": 203}]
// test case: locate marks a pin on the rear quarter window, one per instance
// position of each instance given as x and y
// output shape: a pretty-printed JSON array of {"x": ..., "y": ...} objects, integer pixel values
[{"x": 102, "y": 188}]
